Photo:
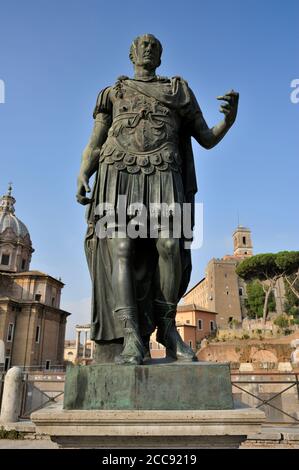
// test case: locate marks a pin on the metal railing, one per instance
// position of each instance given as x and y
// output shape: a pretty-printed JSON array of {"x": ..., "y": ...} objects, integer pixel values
[
  {"x": 38, "y": 391},
  {"x": 34, "y": 398},
  {"x": 263, "y": 390},
  {"x": 38, "y": 368},
  {"x": 43, "y": 368},
  {"x": 288, "y": 380}
]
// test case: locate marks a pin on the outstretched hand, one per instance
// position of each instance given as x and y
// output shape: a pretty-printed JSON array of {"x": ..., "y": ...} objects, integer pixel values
[{"x": 230, "y": 108}]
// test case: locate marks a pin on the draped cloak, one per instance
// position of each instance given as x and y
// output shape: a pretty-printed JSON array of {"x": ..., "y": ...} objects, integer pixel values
[{"x": 178, "y": 98}]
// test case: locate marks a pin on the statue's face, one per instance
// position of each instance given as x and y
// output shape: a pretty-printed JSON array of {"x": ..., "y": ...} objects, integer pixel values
[{"x": 147, "y": 52}]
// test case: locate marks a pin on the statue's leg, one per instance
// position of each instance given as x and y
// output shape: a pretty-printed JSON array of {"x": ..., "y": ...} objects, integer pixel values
[
  {"x": 169, "y": 268},
  {"x": 169, "y": 278},
  {"x": 125, "y": 306}
]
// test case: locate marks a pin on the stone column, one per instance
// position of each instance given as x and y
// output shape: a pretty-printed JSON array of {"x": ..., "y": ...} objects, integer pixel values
[
  {"x": 84, "y": 346},
  {"x": 12, "y": 396},
  {"x": 91, "y": 349},
  {"x": 2, "y": 353},
  {"x": 78, "y": 344}
]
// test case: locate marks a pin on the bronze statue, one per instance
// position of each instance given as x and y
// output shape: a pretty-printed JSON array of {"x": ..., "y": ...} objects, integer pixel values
[{"x": 140, "y": 148}]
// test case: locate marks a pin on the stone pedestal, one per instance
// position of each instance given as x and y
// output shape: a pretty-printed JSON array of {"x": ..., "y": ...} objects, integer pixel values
[
  {"x": 158, "y": 405},
  {"x": 174, "y": 386},
  {"x": 148, "y": 428}
]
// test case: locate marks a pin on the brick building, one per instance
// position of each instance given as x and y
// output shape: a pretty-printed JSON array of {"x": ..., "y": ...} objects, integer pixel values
[{"x": 222, "y": 291}]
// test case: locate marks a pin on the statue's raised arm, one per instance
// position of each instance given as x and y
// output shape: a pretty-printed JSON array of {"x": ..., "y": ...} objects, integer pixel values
[{"x": 207, "y": 137}]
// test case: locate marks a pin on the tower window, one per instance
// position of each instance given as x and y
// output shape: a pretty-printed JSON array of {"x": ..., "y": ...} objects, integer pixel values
[
  {"x": 37, "y": 297},
  {"x": 212, "y": 325},
  {"x": 5, "y": 260},
  {"x": 199, "y": 324},
  {"x": 240, "y": 291},
  {"x": 53, "y": 300},
  {"x": 244, "y": 240},
  {"x": 37, "y": 332},
  {"x": 23, "y": 264},
  {"x": 7, "y": 363},
  {"x": 10, "y": 332}
]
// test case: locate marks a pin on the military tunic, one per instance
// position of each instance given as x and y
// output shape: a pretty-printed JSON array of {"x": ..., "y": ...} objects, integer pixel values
[{"x": 141, "y": 157}]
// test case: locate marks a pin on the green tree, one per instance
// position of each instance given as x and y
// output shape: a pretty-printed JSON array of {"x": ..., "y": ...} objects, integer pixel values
[
  {"x": 264, "y": 268},
  {"x": 288, "y": 263},
  {"x": 256, "y": 299},
  {"x": 291, "y": 304},
  {"x": 269, "y": 267}
]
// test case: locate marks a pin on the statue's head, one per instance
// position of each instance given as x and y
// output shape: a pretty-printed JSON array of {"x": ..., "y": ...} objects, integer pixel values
[{"x": 146, "y": 50}]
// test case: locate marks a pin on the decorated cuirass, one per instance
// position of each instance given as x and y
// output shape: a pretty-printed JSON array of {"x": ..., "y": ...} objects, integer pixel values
[{"x": 143, "y": 135}]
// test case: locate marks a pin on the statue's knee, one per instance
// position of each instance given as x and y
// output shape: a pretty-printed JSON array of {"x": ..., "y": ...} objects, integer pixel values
[
  {"x": 168, "y": 247},
  {"x": 123, "y": 249}
]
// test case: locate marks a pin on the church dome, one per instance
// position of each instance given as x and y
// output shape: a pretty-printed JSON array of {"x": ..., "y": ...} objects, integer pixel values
[
  {"x": 8, "y": 218},
  {"x": 15, "y": 243}
]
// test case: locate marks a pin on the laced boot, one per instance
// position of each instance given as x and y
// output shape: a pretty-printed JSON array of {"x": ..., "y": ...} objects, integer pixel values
[
  {"x": 168, "y": 335},
  {"x": 133, "y": 350}
]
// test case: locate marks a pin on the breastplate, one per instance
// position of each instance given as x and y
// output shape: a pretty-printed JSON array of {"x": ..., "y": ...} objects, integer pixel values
[{"x": 143, "y": 135}]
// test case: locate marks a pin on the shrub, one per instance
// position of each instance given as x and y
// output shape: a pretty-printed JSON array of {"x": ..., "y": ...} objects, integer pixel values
[
  {"x": 281, "y": 321},
  {"x": 245, "y": 336},
  {"x": 12, "y": 434},
  {"x": 287, "y": 331}
]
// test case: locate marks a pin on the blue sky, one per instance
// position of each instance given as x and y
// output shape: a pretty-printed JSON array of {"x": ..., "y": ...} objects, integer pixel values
[{"x": 56, "y": 55}]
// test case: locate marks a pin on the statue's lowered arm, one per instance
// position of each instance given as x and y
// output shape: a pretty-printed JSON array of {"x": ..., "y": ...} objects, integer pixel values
[{"x": 90, "y": 156}]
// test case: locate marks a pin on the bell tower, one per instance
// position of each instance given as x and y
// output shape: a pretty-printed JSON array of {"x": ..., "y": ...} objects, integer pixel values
[{"x": 242, "y": 242}]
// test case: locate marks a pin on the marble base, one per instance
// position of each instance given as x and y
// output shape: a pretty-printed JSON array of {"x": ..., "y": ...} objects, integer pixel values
[{"x": 148, "y": 428}]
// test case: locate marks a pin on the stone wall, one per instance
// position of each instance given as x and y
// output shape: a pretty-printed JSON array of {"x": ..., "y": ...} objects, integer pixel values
[{"x": 243, "y": 352}]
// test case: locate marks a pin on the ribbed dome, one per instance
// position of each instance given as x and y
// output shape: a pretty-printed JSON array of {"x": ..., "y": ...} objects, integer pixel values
[
  {"x": 15, "y": 244},
  {"x": 8, "y": 218}
]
